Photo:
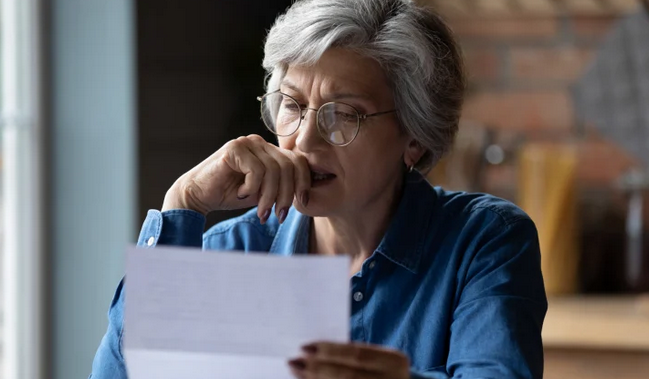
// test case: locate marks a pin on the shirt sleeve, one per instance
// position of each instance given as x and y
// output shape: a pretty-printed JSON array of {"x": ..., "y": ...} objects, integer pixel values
[
  {"x": 179, "y": 227},
  {"x": 176, "y": 227},
  {"x": 109, "y": 362},
  {"x": 496, "y": 328}
]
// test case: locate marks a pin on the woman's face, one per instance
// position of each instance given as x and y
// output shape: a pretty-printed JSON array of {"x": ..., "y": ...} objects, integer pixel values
[{"x": 369, "y": 170}]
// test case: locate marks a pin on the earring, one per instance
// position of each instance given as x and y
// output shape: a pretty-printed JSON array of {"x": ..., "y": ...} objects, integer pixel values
[{"x": 411, "y": 168}]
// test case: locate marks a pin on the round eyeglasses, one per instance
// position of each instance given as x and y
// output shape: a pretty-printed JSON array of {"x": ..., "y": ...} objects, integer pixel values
[{"x": 338, "y": 123}]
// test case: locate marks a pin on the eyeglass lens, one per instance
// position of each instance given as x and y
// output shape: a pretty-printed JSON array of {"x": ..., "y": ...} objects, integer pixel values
[{"x": 337, "y": 123}]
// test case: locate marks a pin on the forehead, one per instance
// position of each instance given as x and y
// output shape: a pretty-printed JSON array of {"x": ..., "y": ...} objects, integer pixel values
[{"x": 339, "y": 70}]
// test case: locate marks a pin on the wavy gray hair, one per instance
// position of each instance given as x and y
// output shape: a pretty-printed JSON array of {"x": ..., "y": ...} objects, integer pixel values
[{"x": 413, "y": 45}]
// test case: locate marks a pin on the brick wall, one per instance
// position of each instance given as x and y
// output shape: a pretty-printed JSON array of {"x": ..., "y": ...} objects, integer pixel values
[{"x": 522, "y": 70}]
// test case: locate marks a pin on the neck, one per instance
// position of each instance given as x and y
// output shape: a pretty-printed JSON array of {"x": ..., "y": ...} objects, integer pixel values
[{"x": 358, "y": 232}]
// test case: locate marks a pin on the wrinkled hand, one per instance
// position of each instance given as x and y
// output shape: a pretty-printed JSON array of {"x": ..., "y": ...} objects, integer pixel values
[
  {"x": 325, "y": 360},
  {"x": 245, "y": 172}
]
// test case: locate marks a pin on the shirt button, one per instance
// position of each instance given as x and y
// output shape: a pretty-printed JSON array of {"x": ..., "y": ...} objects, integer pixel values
[
  {"x": 150, "y": 241},
  {"x": 372, "y": 264},
  {"x": 358, "y": 296}
]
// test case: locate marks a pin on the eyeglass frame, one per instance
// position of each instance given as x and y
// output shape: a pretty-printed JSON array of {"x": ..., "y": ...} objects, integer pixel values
[{"x": 304, "y": 110}]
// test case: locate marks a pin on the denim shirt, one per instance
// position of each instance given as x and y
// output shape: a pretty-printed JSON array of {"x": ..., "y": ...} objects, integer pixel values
[{"x": 455, "y": 284}]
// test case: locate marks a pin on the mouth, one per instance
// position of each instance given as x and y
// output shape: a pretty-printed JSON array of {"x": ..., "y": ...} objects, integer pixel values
[{"x": 321, "y": 177}]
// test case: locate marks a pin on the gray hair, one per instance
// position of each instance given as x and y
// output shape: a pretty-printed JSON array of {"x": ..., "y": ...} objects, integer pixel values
[{"x": 413, "y": 45}]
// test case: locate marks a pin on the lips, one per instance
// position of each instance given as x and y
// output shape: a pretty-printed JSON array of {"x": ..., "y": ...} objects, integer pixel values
[
  {"x": 316, "y": 176},
  {"x": 319, "y": 174}
]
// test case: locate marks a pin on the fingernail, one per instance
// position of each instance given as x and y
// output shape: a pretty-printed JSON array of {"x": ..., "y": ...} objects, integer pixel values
[
  {"x": 265, "y": 216},
  {"x": 304, "y": 199},
  {"x": 310, "y": 349},
  {"x": 282, "y": 215},
  {"x": 298, "y": 364},
  {"x": 243, "y": 197}
]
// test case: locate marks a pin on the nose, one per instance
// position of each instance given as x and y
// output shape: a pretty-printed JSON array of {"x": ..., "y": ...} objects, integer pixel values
[{"x": 308, "y": 136}]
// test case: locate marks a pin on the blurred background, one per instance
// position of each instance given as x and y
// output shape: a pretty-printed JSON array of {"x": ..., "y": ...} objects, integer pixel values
[{"x": 104, "y": 103}]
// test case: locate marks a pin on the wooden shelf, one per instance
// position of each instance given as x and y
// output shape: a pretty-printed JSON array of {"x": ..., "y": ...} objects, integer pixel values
[{"x": 611, "y": 323}]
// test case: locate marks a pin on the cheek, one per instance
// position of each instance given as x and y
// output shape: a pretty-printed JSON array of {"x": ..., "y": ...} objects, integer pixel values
[
  {"x": 287, "y": 143},
  {"x": 382, "y": 147},
  {"x": 372, "y": 163}
]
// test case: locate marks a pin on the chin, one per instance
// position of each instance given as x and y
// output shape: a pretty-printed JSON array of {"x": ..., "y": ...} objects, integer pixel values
[{"x": 316, "y": 208}]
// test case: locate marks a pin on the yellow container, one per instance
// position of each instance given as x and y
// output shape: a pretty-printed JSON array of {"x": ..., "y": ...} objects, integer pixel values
[{"x": 547, "y": 191}]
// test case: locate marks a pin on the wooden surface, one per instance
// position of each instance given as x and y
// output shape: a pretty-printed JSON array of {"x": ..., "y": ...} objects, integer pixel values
[
  {"x": 611, "y": 323},
  {"x": 595, "y": 364},
  {"x": 597, "y": 338}
]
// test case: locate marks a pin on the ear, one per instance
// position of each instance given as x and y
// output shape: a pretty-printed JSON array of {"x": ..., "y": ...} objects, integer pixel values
[{"x": 414, "y": 152}]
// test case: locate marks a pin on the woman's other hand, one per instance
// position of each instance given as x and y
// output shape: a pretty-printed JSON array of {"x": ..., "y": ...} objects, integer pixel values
[
  {"x": 325, "y": 360},
  {"x": 245, "y": 172}
]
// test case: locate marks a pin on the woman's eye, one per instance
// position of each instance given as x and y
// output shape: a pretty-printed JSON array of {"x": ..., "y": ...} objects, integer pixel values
[
  {"x": 290, "y": 107},
  {"x": 346, "y": 117}
]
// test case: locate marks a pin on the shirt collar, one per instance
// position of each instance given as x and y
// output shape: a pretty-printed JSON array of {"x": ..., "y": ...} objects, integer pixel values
[
  {"x": 407, "y": 233},
  {"x": 404, "y": 240}
]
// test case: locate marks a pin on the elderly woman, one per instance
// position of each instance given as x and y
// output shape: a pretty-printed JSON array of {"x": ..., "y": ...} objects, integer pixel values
[{"x": 364, "y": 95}]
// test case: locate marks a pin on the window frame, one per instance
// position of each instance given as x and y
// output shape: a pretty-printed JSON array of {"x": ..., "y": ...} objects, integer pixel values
[{"x": 23, "y": 205}]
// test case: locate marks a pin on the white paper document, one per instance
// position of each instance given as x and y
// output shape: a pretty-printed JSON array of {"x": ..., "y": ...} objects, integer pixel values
[{"x": 227, "y": 315}]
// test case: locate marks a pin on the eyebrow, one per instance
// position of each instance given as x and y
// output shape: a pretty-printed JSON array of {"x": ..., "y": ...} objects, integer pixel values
[{"x": 332, "y": 97}]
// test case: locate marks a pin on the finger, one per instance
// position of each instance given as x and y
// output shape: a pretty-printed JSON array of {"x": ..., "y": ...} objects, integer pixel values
[
  {"x": 298, "y": 368},
  {"x": 255, "y": 138},
  {"x": 331, "y": 370},
  {"x": 302, "y": 179},
  {"x": 302, "y": 176},
  {"x": 357, "y": 355},
  {"x": 286, "y": 182},
  {"x": 270, "y": 184},
  {"x": 240, "y": 158}
]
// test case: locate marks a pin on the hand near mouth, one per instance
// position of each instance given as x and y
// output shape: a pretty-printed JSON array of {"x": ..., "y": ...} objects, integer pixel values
[{"x": 245, "y": 172}]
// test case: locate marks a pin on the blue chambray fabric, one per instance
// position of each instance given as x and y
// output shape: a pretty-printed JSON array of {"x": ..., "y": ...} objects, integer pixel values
[{"x": 455, "y": 283}]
